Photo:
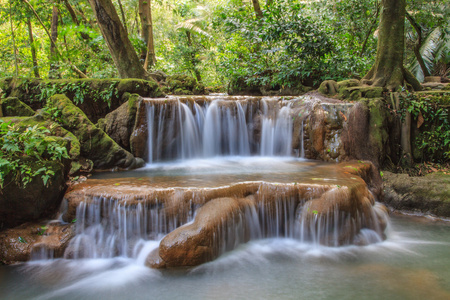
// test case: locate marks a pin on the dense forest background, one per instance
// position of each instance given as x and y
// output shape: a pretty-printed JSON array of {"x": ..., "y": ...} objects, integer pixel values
[{"x": 276, "y": 43}]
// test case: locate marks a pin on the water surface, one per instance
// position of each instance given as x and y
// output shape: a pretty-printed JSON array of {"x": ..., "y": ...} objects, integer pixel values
[{"x": 413, "y": 263}]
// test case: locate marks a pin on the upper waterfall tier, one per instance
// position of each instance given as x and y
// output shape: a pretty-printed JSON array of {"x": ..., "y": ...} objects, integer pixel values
[{"x": 197, "y": 127}]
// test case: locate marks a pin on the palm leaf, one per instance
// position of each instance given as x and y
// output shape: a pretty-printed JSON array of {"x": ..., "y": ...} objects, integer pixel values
[
  {"x": 191, "y": 26},
  {"x": 435, "y": 47}
]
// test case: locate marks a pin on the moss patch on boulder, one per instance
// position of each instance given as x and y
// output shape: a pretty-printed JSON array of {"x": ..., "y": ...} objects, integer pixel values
[
  {"x": 119, "y": 123},
  {"x": 96, "y": 97},
  {"x": 184, "y": 85},
  {"x": 95, "y": 143},
  {"x": 428, "y": 194},
  {"x": 12, "y": 106}
]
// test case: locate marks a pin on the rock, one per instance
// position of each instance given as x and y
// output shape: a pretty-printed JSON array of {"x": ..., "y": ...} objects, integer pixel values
[
  {"x": 36, "y": 201},
  {"x": 184, "y": 85},
  {"x": 96, "y": 145},
  {"x": 428, "y": 194},
  {"x": 191, "y": 245},
  {"x": 12, "y": 106},
  {"x": 358, "y": 92},
  {"x": 328, "y": 87},
  {"x": 432, "y": 79},
  {"x": 119, "y": 124},
  {"x": 95, "y": 97},
  {"x": 29, "y": 240}
]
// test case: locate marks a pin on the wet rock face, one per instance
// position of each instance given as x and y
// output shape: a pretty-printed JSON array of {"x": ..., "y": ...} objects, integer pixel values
[
  {"x": 305, "y": 206},
  {"x": 34, "y": 240}
]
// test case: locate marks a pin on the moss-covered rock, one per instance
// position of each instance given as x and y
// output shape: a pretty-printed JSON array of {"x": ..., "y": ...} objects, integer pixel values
[
  {"x": 184, "y": 85},
  {"x": 119, "y": 123},
  {"x": 12, "y": 106},
  {"x": 357, "y": 92},
  {"x": 96, "y": 97},
  {"x": 37, "y": 200},
  {"x": 426, "y": 194},
  {"x": 348, "y": 83},
  {"x": 329, "y": 87},
  {"x": 96, "y": 145},
  {"x": 440, "y": 97}
]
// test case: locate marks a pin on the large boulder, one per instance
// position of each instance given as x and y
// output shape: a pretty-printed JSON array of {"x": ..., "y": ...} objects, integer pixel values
[
  {"x": 37, "y": 200},
  {"x": 96, "y": 145},
  {"x": 119, "y": 124},
  {"x": 12, "y": 106}
]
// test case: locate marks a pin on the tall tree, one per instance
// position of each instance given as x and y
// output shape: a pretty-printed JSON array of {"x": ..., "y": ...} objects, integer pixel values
[
  {"x": 33, "y": 48},
  {"x": 145, "y": 14},
  {"x": 388, "y": 70},
  {"x": 257, "y": 9},
  {"x": 120, "y": 47},
  {"x": 53, "y": 71}
]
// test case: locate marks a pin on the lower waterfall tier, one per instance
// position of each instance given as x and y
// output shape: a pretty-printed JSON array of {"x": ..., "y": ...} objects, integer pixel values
[{"x": 196, "y": 220}]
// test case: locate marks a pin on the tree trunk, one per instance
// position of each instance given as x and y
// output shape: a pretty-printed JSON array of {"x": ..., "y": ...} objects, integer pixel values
[
  {"x": 120, "y": 47},
  {"x": 192, "y": 58},
  {"x": 145, "y": 14},
  {"x": 419, "y": 58},
  {"x": 124, "y": 21},
  {"x": 258, "y": 11},
  {"x": 53, "y": 72},
  {"x": 33, "y": 49},
  {"x": 369, "y": 32},
  {"x": 388, "y": 70},
  {"x": 14, "y": 42}
]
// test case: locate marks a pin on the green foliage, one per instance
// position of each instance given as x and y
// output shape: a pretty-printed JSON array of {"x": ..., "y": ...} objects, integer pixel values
[
  {"x": 290, "y": 44},
  {"x": 23, "y": 153},
  {"x": 434, "y": 138},
  {"x": 78, "y": 90}
]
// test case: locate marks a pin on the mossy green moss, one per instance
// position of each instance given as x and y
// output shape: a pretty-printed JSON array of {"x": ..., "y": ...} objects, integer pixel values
[
  {"x": 96, "y": 145},
  {"x": 184, "y": 85},
  {"x": 96, "y": 97},
  {"x": 440, "y": 97},
  {"x": 12, "y": 106},
  {"x": 357, "y": 92}
]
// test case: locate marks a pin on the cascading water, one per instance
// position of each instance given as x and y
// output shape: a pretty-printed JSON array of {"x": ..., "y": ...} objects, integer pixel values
[
  {"x": 198, "y": 132},
  {"x": 178, "y": 131},
  {"x": 201, "y": 195}
]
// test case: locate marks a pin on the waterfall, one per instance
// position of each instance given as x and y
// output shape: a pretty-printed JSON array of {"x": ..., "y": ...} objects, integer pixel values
[{"x": 178, "y": 131}]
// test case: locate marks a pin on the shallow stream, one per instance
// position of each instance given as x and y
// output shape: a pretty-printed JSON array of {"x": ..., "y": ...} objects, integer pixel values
[{"x": 413, "y": 263}]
